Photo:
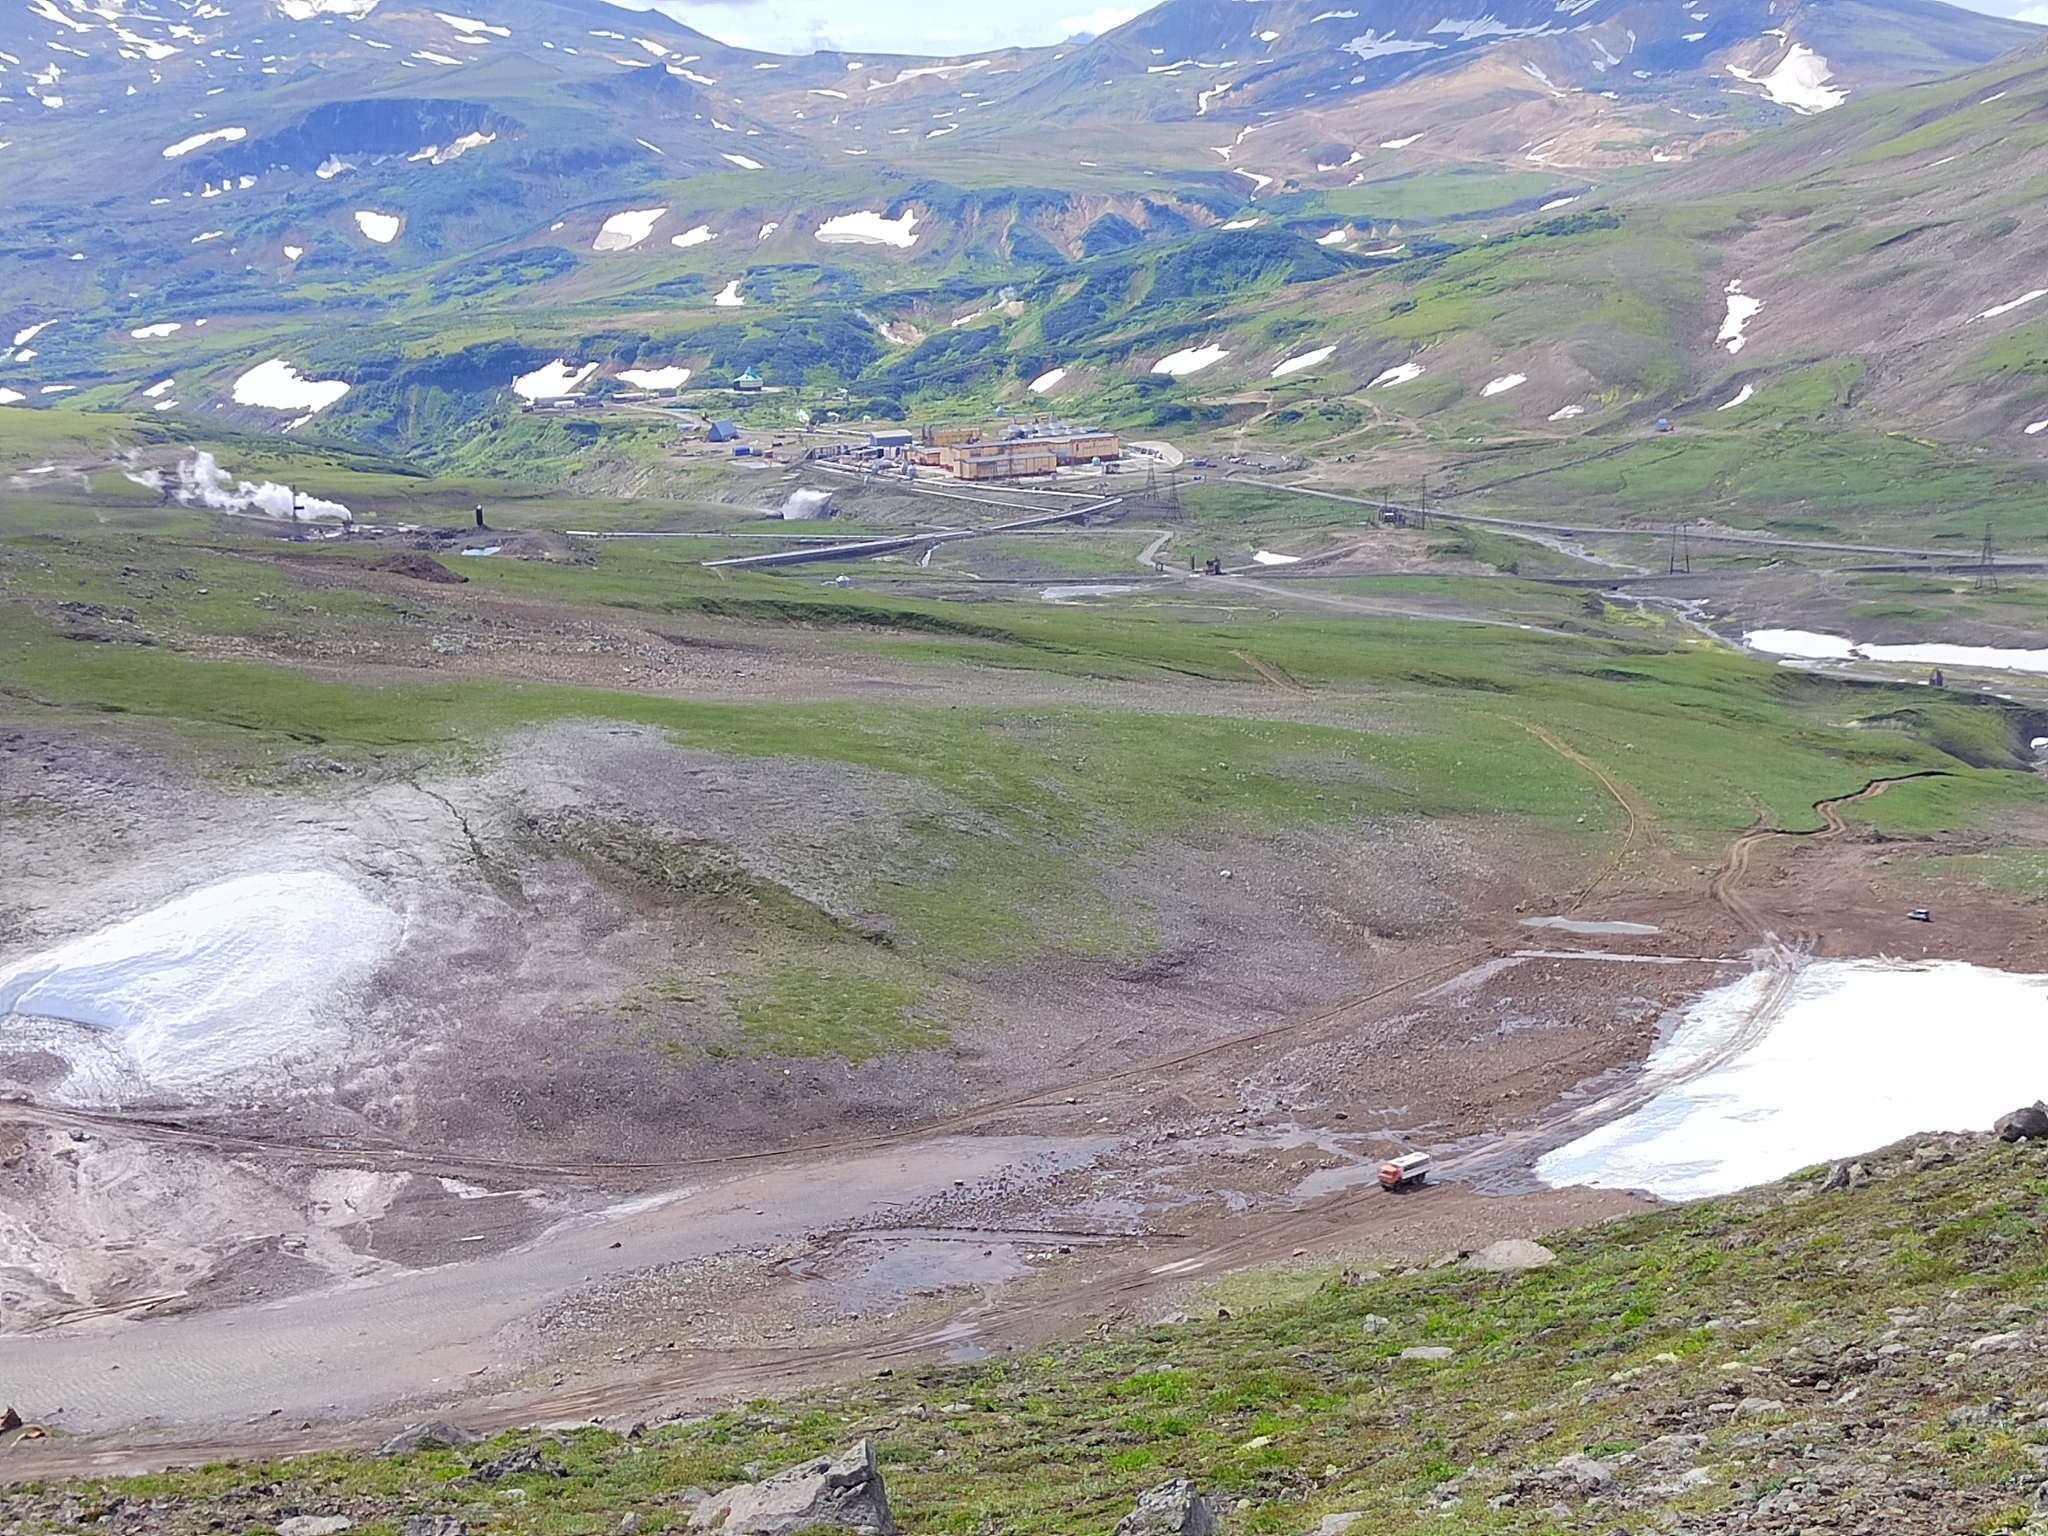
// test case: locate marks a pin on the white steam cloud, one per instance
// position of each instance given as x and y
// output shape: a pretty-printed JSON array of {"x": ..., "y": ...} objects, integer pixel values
[{"x": 201, "y": 482}]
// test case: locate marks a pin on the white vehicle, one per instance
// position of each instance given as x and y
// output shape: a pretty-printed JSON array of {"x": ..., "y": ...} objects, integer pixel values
[{"x": 1405, "y": 1172}]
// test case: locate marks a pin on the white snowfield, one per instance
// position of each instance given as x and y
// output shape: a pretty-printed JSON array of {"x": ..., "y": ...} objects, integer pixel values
[
  {"x": 1799, "y": 81},
  {"x": 306, "y": 10},
  {"x": 656, "y": 378},
  {"x": 380, "y": 227},
  {"x": 729, "y": 297},
  {"x": 1267, "y": 557},
  {"x": 1190, "y": 360},
  {"x": 743, "y": 162},
  {"x": 201, "y": 140},
  {"x": 1503, "y": 384},
  {"x": 1304, "y": 360},
  {"x": 1805, "y": 645},
  {"x": 870, "y": 228},
  {"x": 11, "y": 396},
  {"x": 2009, "y": 305},
  {"x": 233, "y": 985},
  {"x": 1782, "y": 1070},
  {"x": 552, "y": 381},
  {"x": 1400, "y": 373},
  {"x": 276, "y": 386},
  {"x": 1048, "y": 380},
  {"x": 624, "y": 230},
  {"x": 1742, "y": 397},
  {"x": 699, "y": 235},
  {"x": 1741, "y": 310},
  {"x": 158, "y": 331},
  {"x": 1567, "y": 413}
]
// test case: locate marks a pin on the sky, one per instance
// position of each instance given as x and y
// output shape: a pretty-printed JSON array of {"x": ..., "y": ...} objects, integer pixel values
[{"x": 948, "y": 28}]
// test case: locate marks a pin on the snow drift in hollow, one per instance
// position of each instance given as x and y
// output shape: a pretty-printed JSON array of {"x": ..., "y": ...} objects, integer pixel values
[{"x": 232, "y": 983}]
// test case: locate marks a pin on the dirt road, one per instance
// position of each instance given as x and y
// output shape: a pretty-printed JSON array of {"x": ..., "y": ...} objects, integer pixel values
[{"x": 359, "y": 1351}]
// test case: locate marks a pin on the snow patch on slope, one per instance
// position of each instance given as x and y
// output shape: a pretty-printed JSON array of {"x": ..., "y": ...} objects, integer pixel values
[
  {"x": 624, "y": 230},
  {"x": 869, "y": 228},
  {"x": 1739, "y": 1103},
  {"x": 552, "y": 381},
  {"x": 276, "y": 386},
  {"x": 233, "y": 984},
  {"x": 1800, "y": 81}
]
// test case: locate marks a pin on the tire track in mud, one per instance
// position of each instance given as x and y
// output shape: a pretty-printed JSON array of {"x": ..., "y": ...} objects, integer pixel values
[
  {"x": 1778, "y": 962},
  {"x": 430, "y": 1160},
  {"x": 1638, "y": 815},
  {"x": 1725, "y": 887}
]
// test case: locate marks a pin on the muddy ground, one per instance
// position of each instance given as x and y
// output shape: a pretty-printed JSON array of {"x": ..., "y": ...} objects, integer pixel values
[{"x": 1094, "y": 1139}]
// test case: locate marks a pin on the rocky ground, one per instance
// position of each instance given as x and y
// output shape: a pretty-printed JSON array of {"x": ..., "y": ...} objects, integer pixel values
[{"x": 1855, "y": 1350}]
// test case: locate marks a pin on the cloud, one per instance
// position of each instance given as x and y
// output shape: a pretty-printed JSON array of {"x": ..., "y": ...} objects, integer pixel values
[
  {"x": 2015, "y": 10},
  {"x": 928, "y": 27}
]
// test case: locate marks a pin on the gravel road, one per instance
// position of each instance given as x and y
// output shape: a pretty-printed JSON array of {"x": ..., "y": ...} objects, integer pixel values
[{"x": 358, "y": 1350}]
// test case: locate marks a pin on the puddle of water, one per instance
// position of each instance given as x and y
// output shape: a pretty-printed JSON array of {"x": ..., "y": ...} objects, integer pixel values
[
  {"x": 1095, "y": 589},
  {"x": 908, "y": 1265},
  {"x": 1763, "y": 1078},
  {"x": 1327, "y": 1181},
  {"x": 1805, "y": 645},
  {"x": 1583, "y": 925}
]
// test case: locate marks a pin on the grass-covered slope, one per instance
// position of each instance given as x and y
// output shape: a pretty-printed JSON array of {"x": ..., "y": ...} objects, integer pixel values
[{"x": 1859, "y": 1358}]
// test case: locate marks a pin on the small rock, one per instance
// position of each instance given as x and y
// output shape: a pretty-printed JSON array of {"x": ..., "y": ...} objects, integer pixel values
[
  {"x": 434, "y": 1525},
  {"x": 1757, "y": 1407},
  {"x": 1427, "y": 1352},
  {"x": 1591, "y": 1476},
  {"x": 314, "y": 1525},
  {"x": 1171, "y": 1509},
  {"x": 1668, "y": 1449},
  {"x": 629, "y": 1522},
  {"x": 1994, "y": 1342},
  {"x": 2028, "y": 1123},
  {"x": 1372, "y": 1322},
  {"x": 10, "y": 1420},
  {"x": 435, "y": 1435},
  {"x": 1339, "y": 1523},
  {"x": 1511, "y": 1255},
  {"x": 842, "y": 1492},
  {"x": 520, "y": 1459}
]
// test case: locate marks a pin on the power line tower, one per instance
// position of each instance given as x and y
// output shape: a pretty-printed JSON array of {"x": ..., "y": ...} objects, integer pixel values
[
  {"x": 1987, "y": 565},
  {"x": 1681, "y": 549}
]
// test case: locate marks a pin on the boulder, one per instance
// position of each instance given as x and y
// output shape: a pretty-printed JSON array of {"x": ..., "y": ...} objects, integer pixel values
[
  {"x": 1427, "y": 1352},
  {"x": 1510, "y": 1256},
  {"x": 1588, "y": 1476},
  {"x": 2029, "y": 1123},
  {"x": 434, "y": 1525},
  {"x": 1171, "y": 1509},
  {"x": 843, "y": 1492},
  {"x": 314, "y": 1525},
  {"x": 434, "y": 1435}
]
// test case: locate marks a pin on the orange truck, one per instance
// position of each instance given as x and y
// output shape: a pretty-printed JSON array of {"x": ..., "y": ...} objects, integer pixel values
[{"x": 1405, "y": 1172}]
